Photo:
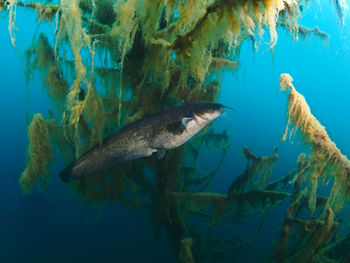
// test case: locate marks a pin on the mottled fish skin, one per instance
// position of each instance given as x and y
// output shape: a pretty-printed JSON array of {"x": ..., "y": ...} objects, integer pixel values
[{"x": 161, "y": 131}]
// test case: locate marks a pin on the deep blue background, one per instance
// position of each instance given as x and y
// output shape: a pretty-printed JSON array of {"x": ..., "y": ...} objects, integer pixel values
[{"x": 56, "y": 226}]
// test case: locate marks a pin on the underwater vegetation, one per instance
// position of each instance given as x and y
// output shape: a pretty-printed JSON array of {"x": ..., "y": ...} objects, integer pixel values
[
  {"x": 326, "y": 160},
  {"x": 110, "y": 63}
]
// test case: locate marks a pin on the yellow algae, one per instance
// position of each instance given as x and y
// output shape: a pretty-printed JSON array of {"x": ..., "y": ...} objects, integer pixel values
[
  {"x": 93, "y": 111},
  {"x": 40, "y": 154},
  {"x": 327, "y": 160},
  {"x": 124, "y": 29},
  {"x": 71, "y": 24},
  {"x": 12, "y": 5}
]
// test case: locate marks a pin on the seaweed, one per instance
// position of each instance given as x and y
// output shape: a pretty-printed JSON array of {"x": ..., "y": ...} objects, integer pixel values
[
  {"x": 262, "y": 166},
  {"x": 305, "y": 33},
  {"x": 40, "y": 154},
  {"x": 40, "y": 56},
  {"x": 326, "y": 160},
  {"x": 114, "y": 62},
  {"x": 311, "y": 235}
]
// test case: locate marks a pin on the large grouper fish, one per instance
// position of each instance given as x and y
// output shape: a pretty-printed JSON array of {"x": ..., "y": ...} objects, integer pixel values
[{"x": 155, "y": 133}]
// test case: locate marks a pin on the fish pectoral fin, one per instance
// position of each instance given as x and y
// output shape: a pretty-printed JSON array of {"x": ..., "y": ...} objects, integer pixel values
[
  {"x": 185, "y": 121},
  {"x": 178, "y": 127},
  {"x": 160, "y": 153}
]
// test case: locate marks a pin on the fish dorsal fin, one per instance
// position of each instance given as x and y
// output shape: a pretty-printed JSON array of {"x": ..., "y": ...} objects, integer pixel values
[{"x": 160, "y": 153}]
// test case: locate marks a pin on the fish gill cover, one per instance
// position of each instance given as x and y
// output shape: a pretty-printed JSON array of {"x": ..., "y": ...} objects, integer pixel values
[{"x": 113, "y": 62}]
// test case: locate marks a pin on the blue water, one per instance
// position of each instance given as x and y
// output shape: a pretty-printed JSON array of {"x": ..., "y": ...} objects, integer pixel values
[{"x": 57, "y": 226}]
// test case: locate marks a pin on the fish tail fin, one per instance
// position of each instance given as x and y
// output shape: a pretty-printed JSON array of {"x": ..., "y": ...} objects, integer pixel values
[{"x": 65, "y": 175}]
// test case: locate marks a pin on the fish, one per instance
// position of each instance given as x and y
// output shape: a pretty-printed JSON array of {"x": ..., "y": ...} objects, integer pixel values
[{"x": 156, "y": 133}]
